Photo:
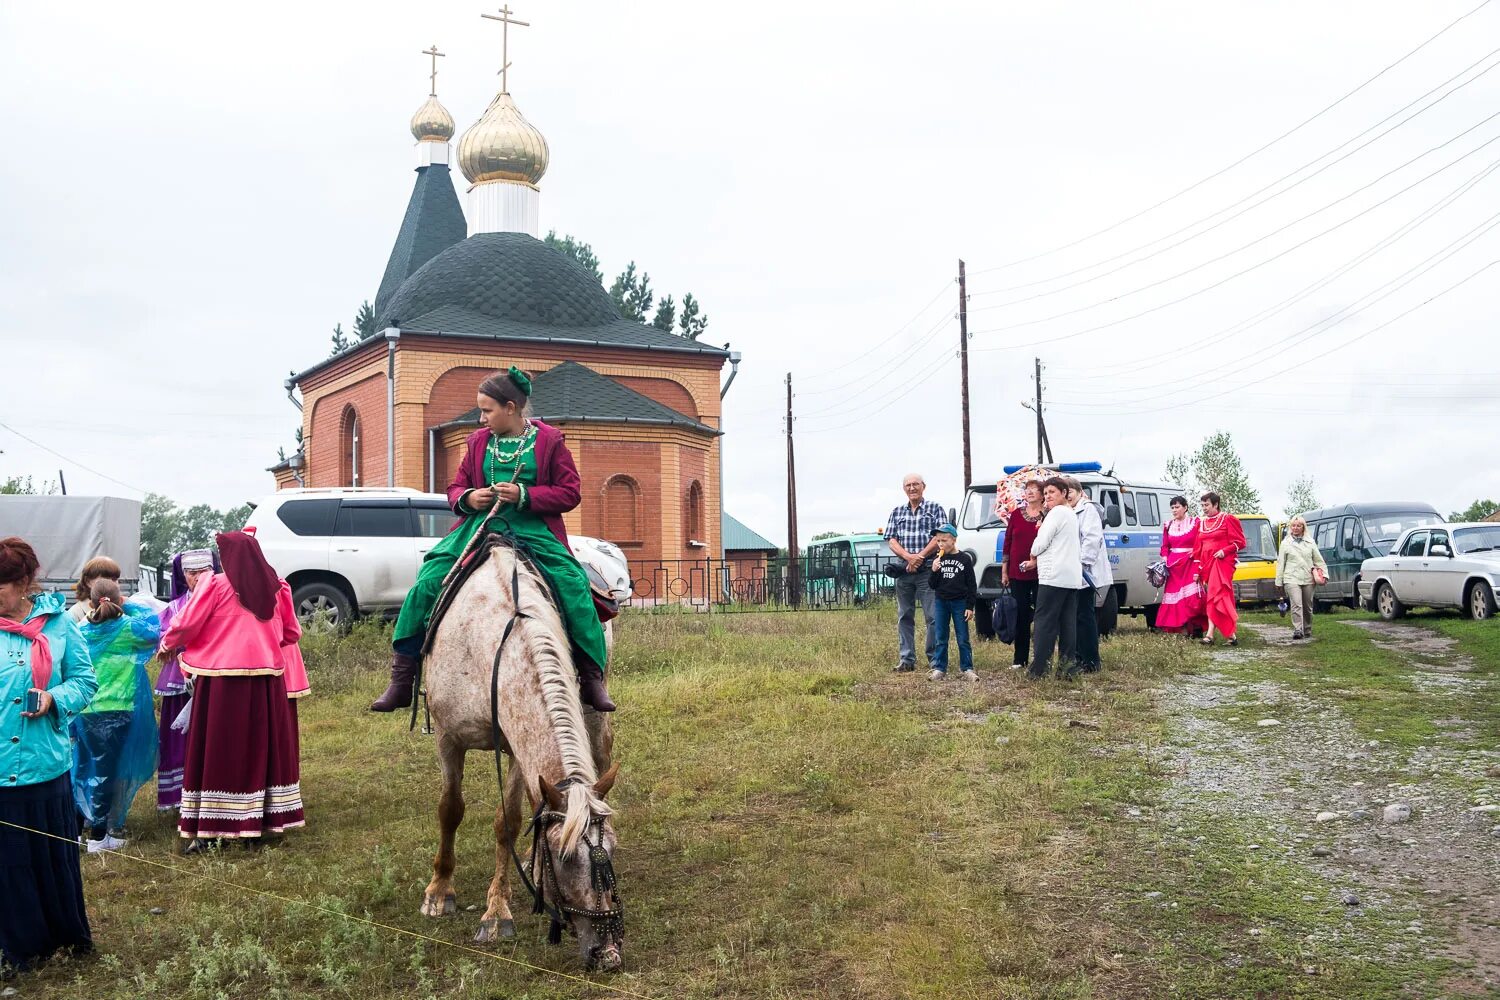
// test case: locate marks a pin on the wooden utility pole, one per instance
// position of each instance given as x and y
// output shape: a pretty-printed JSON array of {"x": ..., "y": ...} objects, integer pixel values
[
  {"x": 1038, "y": 411},
  {"x": 963, "y": 366},
  {"x": 793, "y": 567}
]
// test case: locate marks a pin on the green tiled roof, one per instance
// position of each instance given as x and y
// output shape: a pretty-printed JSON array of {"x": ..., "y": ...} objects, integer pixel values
[
  {"x": 433, "y": 223},
  {"x": 738, "y": 538},
  {"x": 572, "y": 393},
  {"x": 514, "y": 286}
]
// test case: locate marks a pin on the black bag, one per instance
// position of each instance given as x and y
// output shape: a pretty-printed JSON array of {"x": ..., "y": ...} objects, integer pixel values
[{"x": 1004, "y": 618}]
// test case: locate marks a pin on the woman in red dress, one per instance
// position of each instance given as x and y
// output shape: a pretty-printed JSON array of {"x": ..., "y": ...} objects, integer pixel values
[{"x": 1220, "y": 539}]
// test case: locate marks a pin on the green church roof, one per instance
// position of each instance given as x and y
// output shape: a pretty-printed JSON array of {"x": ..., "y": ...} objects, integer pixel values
[{"x": 736, "y": 537}]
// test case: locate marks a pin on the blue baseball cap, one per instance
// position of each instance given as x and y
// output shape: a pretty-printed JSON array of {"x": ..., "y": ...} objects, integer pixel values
[{"x": 946, "y": 529}]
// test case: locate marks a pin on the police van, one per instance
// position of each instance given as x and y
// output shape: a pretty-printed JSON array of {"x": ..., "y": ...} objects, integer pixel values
[{"x": 1134, "y": 511}]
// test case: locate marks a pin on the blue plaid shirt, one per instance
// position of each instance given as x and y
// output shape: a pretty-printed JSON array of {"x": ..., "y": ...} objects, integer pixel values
[{"x": 914, "y": 528}]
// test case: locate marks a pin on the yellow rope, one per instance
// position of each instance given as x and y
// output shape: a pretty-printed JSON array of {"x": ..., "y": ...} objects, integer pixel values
[{"x": 347, "y": 916}]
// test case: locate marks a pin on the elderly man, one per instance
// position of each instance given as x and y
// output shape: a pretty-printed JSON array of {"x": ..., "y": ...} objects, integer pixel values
[
  {"x": 909, "y": 532},
  {"x": 1299, "y": 563},
  {"x": 1097, "y": 574}
]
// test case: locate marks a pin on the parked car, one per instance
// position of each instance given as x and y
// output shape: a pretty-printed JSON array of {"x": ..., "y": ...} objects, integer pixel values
[
  {"x": 349, "y": 551},
  {"x": 1451, "y": 565},
  {"x": 1255, "y": 569},
  {"x": 1352, "y": 533}
]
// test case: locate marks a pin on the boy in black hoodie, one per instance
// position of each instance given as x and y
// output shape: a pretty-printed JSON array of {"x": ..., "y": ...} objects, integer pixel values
[{"x": 955, "y": 590}]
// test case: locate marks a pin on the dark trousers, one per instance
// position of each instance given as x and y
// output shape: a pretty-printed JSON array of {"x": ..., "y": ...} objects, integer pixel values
[
  {"x": 1056, "y": 624},
  {"x": 1086, "y": 643},
  {"x": 1024, "y": 592}
]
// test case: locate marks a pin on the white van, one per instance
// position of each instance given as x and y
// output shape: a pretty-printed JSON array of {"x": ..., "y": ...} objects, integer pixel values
[{"x": 1134, "y": 510}]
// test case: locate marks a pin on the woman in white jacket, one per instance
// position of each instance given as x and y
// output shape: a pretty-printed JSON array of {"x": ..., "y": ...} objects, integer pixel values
[{"x": 1059, "y": 578}]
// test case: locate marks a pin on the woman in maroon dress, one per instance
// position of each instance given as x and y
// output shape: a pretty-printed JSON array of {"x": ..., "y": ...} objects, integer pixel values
[
  {"x": 1020, "y": 532},
  {"x": 1220, "y": 539}
]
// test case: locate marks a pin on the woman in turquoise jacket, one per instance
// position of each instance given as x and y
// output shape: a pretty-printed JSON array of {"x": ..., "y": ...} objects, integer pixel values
[{"x": 46, "y": 680}]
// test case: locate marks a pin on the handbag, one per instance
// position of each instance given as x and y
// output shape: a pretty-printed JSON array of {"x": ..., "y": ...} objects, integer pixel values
[
  {"x": 1319, "y": 575},
  {"x": 1156, "y": 573}
]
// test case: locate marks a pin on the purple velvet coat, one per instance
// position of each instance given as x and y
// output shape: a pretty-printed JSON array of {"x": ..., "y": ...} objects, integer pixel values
[{"x": 557, "y": 488}]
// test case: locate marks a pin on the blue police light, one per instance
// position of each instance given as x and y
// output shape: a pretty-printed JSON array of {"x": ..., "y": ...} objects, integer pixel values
[{"x": 1011, "y": 470}]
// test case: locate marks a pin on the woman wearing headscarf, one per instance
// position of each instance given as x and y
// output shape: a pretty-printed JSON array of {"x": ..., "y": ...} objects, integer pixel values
[
  {"x": 241, "y": 776},
  {"x": 115, "y": 736},
  {"x": 520, "y": 468},
  {"x": 188, "y": 568},
  {"x": 45, "y": 681}
]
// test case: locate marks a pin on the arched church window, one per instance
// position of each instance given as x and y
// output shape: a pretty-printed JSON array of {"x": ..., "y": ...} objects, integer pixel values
[
  {"x": 621, "y": 509},
  {"x": 350, "y": 467},
  {"x": 695, "y": 512}
]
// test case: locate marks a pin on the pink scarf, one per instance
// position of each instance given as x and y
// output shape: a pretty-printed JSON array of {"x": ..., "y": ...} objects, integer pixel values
[{"x": 41, "y": 648}]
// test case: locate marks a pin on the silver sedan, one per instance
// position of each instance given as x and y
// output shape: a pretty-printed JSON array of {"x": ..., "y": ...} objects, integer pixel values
[{"x": 1441, "y": 566}]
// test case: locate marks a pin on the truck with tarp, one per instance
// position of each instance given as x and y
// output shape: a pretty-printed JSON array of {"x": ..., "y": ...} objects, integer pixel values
[{"x": 68, "y": 531}]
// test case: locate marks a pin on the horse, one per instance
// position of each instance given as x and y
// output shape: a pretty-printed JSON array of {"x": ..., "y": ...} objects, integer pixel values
[{"x": 556, "y": 755}]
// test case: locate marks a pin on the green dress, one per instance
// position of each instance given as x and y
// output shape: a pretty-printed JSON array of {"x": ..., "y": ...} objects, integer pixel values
[{"x": 569, "y": 581}]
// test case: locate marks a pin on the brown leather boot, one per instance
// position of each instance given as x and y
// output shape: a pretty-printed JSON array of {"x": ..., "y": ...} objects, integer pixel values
[
  {"x": 591, "y": 689},
  {"x": 399, "y": 693}
]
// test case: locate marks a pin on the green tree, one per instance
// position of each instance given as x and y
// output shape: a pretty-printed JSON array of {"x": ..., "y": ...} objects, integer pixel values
[
  {"x": 825, "y": 534},
  {"x": 1301, "y": 496},
  {"x": 666, "y": 314},
  {"x": 364, "y": 321},
  {"x": 15, "y": 485},
  {"x": 1215, "y": 466},
  {"x": 631, "y": 293},
  {"x": 690, "y": 324},
  {"x": 578, "y": 250},
  {"x": 1476, "y": 511},
  {"x": 341, "y": 340},
  {"x": 161, "y": 526}
]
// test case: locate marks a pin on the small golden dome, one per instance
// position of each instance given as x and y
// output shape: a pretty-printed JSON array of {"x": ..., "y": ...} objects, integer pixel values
[
  {"x": 432, "y": 122},
  {"x": 503, "y": 146}
]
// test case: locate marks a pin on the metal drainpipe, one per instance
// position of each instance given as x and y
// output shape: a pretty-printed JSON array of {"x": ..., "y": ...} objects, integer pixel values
[
  {"x": 392, "y": 334},
  {"x": 432, "y": 444},
  {"x": 734, "y": 369},
  {"x": 295, "y": 465}
]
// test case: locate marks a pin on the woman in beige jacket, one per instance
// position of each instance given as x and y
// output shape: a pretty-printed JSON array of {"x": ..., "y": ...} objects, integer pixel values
[{"x": 1299, "y": 566}]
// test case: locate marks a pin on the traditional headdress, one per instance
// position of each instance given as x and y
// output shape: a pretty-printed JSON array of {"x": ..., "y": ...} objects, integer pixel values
[{"x": 255, "y": 583}]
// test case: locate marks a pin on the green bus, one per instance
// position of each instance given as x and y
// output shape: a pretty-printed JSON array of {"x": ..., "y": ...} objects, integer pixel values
[{"x": 847, "y": 569}]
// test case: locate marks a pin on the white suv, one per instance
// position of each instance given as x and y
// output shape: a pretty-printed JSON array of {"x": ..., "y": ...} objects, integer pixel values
[{"x": 349, "y": 551}]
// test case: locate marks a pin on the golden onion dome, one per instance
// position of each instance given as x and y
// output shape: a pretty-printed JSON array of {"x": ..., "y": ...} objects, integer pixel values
[
  {"x": 503, "y": 146},
  {"x": 432, "y": 122}
]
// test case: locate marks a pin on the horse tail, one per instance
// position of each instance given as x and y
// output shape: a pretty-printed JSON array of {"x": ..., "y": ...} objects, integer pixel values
[{"x": 583, "y": 804}]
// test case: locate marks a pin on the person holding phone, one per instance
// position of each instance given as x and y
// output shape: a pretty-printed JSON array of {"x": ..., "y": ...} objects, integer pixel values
[{"x": 46, "y": 680}]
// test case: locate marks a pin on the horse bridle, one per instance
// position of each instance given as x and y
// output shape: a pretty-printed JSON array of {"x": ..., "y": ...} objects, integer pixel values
[{"x": 607, "y": 922}]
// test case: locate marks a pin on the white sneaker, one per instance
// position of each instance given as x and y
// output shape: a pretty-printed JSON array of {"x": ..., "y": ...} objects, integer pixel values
[
  {"x": 969, "y": 675},
  {"x": 938, "y": 675},
  {"x": 109, "y": 843}
]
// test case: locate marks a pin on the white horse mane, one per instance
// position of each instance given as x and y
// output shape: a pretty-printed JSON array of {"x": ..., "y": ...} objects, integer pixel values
[{"x": 544, "y": 636}]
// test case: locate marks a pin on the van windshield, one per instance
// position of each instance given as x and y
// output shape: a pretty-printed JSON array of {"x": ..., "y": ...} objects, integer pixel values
[
  {"x": 979, "y": 511},
  {"x": 1260, "y": 543},
  {"x": 1384, "y": 529}
]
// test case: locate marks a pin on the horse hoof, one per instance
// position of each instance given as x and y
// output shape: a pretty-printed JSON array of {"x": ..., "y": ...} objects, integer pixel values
[
  {"x": 507, "y": 929},
  {"x": 446, "y": 908},
  {"x": 492, "y": 930}
]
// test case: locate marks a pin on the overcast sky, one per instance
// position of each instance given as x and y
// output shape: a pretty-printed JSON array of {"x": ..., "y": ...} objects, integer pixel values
[{"x": 193, "y": 194}]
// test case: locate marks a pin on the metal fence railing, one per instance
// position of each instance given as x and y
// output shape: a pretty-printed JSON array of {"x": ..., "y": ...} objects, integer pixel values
[{"x": 810, "y": 583}]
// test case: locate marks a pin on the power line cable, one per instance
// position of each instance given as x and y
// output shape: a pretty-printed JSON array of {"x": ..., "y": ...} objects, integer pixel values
[
  {"x": 1237, "y": 274},
  {"x": 825, "y": 372},
  {"x": 1380, "y": 293},
  {"x": 1324, "y": 354},
  {"x": 1123, "y": 369},
  {"x": 867, "y": 404},
  {"x": 1230, "y": 218},
  {"x": 71, "y": 461},
  {"x": 899, "y": 396},
  {"x": 1248, "y": 156},
  {"x": 891, "y": 369}
]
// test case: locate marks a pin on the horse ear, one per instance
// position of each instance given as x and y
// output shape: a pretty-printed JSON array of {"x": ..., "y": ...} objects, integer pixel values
[
  {"x": 607, "y": 781},
  {"x": 550, "y": 795}
]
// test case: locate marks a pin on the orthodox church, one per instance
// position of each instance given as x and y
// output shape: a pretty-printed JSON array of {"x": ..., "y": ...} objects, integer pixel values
[{"x": 467, "y": 292}]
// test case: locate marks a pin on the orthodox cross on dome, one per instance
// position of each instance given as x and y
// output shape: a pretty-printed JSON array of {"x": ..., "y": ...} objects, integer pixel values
[
  {"x": 506, "y": 21},
  {"x": 434, "y": 53}
]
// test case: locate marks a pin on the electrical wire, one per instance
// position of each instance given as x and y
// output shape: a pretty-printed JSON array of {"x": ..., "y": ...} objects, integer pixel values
[
  {"x": 888, "y": 402},
  {"x": 1243, "y": 159},
  {"x": 891, "y": 369},
  {"x": 1385, "y": 290},
  {"x": 1122, "y": 369},
  {"x": 867, "y": 405},
  {"x": 1230, "y": 218},
  {"x": 1237, "y": 274},
  {"x": 825, "y": 372},
  {"x": 71, "y": 461},
  {"x": 1303, "y": 361}
]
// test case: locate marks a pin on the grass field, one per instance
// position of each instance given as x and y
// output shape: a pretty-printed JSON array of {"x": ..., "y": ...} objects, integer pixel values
[{"x": 794, "y": 820}]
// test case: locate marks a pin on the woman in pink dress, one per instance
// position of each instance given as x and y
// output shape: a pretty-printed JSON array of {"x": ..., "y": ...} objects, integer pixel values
[
  {"x": 1181, "y": 608},
  {"x": 1220, "y": 539}
]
